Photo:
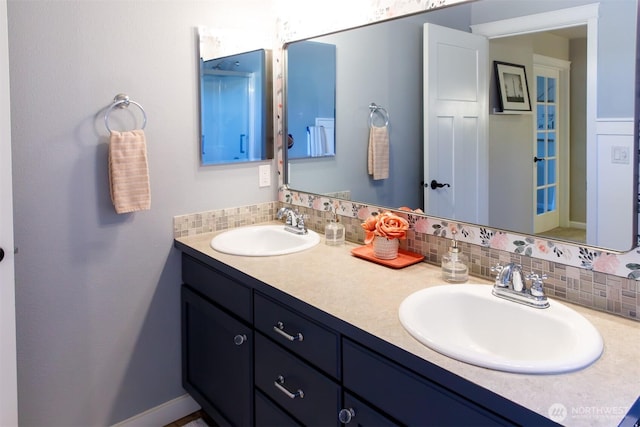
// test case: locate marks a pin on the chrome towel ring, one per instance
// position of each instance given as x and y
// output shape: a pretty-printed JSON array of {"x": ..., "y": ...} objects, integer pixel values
[
  {"x": 374, "y": 108},
  {"x": 122, "y": 100}
]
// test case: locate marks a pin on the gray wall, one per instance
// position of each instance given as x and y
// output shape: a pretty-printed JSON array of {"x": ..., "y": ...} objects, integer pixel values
[
  {"x": 380, "y": 64},
  {"x": 97, "y": 301}
]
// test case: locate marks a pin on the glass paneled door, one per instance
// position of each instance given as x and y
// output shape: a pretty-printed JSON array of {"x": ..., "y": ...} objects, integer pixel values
[{"x": 546, "y": 150}]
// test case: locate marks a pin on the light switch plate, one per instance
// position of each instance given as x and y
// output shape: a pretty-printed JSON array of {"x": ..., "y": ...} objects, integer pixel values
[
  {"x": 620, "y": 155},
  {"x": 264, "y": 175}
]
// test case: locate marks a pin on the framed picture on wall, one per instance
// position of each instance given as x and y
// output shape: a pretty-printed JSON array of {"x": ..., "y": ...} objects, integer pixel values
[{"x": 513, "y": 90}]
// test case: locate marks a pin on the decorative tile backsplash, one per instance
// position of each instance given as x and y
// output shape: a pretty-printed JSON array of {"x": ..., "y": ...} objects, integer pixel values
[
  {"x": 574, "y": 283},
  {"x": 223, "y": 219}
]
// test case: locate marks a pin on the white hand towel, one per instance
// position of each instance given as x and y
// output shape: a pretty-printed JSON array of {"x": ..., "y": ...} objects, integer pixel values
[
  {"x": 129, "y": 171},
  {"x": 316, "y": 141},
  {"x": 378, "y": 154}
]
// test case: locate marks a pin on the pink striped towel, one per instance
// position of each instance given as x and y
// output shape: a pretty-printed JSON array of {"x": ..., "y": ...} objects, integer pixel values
[{"x": 129, "y": 171}]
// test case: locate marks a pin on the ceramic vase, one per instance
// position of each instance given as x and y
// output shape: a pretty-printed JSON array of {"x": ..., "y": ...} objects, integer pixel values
[{"x": 384, "y": 248}]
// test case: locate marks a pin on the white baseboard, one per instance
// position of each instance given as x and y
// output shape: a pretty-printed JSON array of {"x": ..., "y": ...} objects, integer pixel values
[
  {"x": 163, "y": 414},
  {"x": 580, "y": 225}
]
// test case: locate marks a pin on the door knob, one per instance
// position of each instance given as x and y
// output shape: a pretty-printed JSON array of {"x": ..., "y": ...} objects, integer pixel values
[
  {"x": 1, "y": 254},
  {"x": 435, "y": 184}
]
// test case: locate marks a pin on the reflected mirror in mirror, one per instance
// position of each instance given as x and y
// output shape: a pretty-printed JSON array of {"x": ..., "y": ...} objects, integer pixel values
[
  {"x": 235, "y": 107},
  {"x": 564, "y": 170},
  {"x": 311, "y": 88}
]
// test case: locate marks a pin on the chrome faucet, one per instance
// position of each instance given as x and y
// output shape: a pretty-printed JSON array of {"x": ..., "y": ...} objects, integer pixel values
[
  {"x": 510, "y": 284},
  {"x": 294, "y": 221}
]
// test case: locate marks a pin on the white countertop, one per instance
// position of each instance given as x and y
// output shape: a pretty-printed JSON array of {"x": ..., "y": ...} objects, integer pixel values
[{"x": 368, "y": 295}]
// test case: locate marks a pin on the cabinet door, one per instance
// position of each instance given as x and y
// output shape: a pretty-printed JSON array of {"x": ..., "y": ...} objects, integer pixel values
[{"x": 217, "y": 368}]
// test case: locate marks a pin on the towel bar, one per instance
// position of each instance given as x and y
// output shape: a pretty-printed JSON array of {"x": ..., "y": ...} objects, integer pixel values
[
  {"x": 374, "y": 108},
  {"x": 122, "y": 100}
]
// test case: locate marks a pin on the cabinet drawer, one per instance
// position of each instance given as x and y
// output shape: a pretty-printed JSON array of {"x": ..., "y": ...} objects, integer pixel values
[
  {"x": 362, "y": 415},
  {"x": 305, "y": 393},
  {"x": 317, "y": 345},
  {"x": 268, "y": 414},
  {"x": 405, "y": 396},
  {"x": 218, "y": 287}
]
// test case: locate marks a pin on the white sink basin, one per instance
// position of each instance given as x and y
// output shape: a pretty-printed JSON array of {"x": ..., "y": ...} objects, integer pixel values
[
  {"x": 468, "y": 323},
  {"x": 263, "y": 240}
]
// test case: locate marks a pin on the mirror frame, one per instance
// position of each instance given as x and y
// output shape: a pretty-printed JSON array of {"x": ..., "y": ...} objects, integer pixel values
[{"x": 573, "y": 253}]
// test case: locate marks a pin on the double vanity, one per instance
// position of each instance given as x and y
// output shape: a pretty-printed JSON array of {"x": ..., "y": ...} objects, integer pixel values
[{"x": 322, "y": 337}]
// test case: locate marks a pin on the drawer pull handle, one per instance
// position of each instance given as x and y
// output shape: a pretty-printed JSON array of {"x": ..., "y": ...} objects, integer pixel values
[
  {"x": 346, "y": 415},
  {"x": 279, "y": 328},
  {"x": 279, "y": 383}
]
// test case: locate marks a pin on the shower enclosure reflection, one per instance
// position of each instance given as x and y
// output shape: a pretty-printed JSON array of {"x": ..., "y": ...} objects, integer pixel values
[{"x": 235, "y": 93}]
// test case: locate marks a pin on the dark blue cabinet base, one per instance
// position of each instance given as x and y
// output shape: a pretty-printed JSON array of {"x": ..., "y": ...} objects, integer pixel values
[{"x": 240, "y": 335}]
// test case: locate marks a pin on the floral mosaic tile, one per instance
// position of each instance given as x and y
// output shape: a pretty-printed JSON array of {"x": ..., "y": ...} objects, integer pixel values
[{"x": 583, "y": 275}]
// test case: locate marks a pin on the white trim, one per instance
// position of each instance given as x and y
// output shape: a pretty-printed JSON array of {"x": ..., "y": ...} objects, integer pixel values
[
  {"x": 579, "y": 225},
  {"x": 8, "y": 359},
  {"x": 163, "y": 414},
  {"x": 561, "y": 18},
  {"x": 547, "y": 61},
  {"x": 614, "y": 126}
]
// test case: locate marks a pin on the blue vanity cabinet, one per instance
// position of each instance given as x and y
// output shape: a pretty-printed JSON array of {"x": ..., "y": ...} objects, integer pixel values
[{"x": 298, "y": 365}]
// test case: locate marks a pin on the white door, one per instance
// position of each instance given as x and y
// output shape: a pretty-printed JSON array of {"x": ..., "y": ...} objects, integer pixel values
[
  {"x": 8, "y": 371},
  {"x": 455, "y": 124},
  {"x": 546, "y": 149}
]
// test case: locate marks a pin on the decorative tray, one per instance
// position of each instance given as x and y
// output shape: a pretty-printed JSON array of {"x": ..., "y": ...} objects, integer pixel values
[{"x": 404, "y": 259}]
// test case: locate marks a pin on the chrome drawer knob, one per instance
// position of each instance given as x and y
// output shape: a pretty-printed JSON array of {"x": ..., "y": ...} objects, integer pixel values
[
  {"x": 239, "y": 339},
  {"x": 346, "y": 415}
]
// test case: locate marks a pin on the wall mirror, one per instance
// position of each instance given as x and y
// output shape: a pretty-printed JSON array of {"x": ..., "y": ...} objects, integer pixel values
[
  {"x": 235, "y": 106},
  {"x": 573, "y": 155}
]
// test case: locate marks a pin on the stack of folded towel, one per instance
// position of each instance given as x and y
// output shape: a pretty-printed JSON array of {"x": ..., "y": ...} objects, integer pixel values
[{"x": 129, "y": 171}]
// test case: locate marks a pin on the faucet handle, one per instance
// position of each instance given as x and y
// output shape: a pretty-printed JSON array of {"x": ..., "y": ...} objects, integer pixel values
[
  {"x": 537, "y": 283},
  {"x": 498, "y": 270}
]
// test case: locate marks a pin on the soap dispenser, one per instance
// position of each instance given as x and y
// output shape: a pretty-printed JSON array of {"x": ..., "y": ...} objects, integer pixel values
[
  {"x": 334, "y": 232},
  {"x": 454, "y": 264}
]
